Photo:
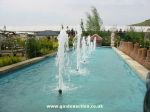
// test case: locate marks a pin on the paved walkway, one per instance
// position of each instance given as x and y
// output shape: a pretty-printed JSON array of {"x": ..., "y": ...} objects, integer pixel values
[{"x": 138, "y": 68}]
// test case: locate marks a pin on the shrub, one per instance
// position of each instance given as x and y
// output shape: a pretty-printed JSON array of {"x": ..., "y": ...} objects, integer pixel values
[
  {"x": 45, "y": 45},
  {"x": 8, "y": 60},
  {"x": 1, "y": 64},
  {"x": 44, "y": 51},
  {"x": 147, "y": 44},
  {"x": 71, "y": 41},
  {"x": 31, "y": 48},
  {"x": 106, "y": 41},
  {"x": 38, "y": 47},
  {"x": 55, "y": 45}
]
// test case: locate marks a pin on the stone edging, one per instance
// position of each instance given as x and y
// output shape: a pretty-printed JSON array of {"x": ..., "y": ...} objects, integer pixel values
[
  {"x": 21, "y": 64},
  {"x": 138, "y": 68}
]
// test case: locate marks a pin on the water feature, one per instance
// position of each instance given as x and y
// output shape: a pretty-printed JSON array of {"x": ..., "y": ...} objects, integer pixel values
[
  {"x": 32, "y": 88},
  {"x": 62, "y": 57},
  {"x": 94, "y": 43},
  {"x": 118, "y": 88},
  {"x": 112, "y": 39},
  {"x": 78, "y": 51},
  {"x": 83, "y": 49},
  {"x": 89, "y": 45}
]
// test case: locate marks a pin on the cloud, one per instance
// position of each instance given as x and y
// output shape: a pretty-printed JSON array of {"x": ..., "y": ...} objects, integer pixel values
[{"x": 56, "y": 12}]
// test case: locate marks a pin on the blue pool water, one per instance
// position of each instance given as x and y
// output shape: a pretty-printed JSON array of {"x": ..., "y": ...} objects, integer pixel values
[{"x": 105, "y": 79}]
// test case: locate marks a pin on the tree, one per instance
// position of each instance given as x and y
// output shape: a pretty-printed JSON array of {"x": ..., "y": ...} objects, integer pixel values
[
  {"x": 147, "y": 38},
  {"x": 30, "y": 47},
  {"x": 94, "y": 22},
  {"x": 1, "y": 40},
  {"x": 82, "y": 25}
]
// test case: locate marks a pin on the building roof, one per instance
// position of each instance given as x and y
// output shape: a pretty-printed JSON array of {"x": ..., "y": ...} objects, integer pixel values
[
  {"x": 98, "y": 38},
  {"x": 47, "y": 33}
]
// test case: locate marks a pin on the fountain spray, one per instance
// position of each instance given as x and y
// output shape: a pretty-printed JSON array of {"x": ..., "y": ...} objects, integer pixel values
[
  {"x": 83, "y": 49},
  {"x": 94, "y": 43},
  {"x": 78, "y": 51},
  {"x": 89, "y": 44},
  {"x": 62, "y": 41}
]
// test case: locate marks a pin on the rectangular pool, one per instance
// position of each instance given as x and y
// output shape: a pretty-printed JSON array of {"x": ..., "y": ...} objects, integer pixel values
[{"x": 105, "y": 79}]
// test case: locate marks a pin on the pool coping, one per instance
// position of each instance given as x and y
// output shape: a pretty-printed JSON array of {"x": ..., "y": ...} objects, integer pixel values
[
  {"x": 22, "y": 64},
  {"x": 135, "y": 66}
]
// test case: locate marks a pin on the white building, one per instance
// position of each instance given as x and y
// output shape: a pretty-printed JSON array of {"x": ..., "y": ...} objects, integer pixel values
[{"x": 127, "y": 28}]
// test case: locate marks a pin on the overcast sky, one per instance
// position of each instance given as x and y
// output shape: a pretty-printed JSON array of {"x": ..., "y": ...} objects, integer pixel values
[{"x": 69, "y": 12}]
